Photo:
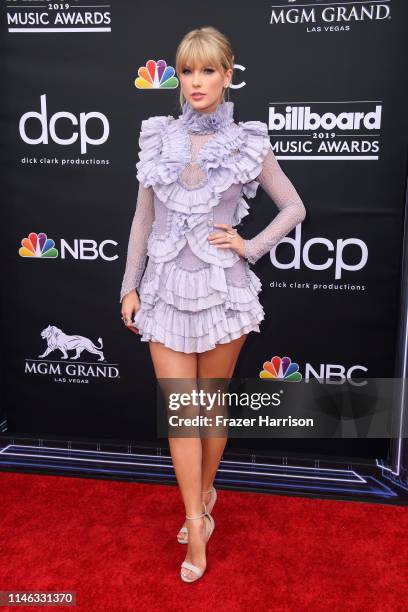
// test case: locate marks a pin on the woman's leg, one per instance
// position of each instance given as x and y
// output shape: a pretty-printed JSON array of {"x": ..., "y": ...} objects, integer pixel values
[
  {"x": 216, "y": 363},
  {"x": 186, "y": 452}
]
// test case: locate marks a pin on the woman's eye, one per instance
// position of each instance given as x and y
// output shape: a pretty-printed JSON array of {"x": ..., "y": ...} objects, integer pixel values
[{"x": 210, "y": 70}]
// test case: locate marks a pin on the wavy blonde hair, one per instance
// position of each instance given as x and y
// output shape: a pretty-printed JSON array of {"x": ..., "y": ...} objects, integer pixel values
[{"x": 205, "y": 45}]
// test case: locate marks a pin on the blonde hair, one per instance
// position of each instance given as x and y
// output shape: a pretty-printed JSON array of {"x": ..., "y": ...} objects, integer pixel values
[{"x": 205, "y": 45}]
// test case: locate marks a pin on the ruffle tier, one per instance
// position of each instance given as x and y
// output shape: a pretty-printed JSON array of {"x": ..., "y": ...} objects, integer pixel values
[
  {"x": 193, "y": 310},
  {"x": 162, "y": 248},
  {"x": 234, "y": 155},
  {"x": 197, "y": 290},
  {"x": 195, "y": 332}
]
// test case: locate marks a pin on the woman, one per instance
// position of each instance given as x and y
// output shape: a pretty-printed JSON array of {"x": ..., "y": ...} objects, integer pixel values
[{"x": 198, "y": 297}]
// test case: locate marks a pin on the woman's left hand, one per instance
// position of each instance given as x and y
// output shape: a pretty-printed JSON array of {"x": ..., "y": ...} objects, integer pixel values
[{"x": 227, "y": 239}]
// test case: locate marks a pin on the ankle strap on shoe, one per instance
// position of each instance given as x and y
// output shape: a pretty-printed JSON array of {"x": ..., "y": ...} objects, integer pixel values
[
  {"x": 208, "y": 491},
  {"x": 195, "y": 517}
]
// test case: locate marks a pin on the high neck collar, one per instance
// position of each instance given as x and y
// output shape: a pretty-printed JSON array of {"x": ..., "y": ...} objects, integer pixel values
[{"x": 207, "y": 123}]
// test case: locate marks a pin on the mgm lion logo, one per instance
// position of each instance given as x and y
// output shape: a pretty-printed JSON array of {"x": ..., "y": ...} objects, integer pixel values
[{"x": 56, "y": 339}]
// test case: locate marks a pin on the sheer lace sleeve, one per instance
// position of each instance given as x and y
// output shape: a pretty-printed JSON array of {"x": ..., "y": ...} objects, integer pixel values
[
  {"x": 291, "y": 209},
  {"x": 137, "y": 246}
]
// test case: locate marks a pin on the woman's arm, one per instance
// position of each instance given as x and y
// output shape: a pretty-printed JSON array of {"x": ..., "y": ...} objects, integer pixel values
[
  {"x": 137, "y": 246},
  {"x": 292, "y": 211}
]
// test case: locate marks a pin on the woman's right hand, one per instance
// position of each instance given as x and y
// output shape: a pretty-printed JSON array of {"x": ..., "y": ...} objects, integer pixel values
[{"x": 130, "y": 306}]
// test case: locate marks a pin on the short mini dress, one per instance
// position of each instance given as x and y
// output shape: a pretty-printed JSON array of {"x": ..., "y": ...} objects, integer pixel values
[{"x": 194, "y": 295}]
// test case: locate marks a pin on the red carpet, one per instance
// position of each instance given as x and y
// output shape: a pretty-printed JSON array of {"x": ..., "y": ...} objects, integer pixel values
[{"x": 114, "y": 543}]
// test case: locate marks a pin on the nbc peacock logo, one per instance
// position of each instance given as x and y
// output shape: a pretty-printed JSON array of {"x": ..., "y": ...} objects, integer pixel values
[
  {"x": 38, "y": 245},
  {"x": 281, "y": 368},
  {"x": 156, "y": 75}
]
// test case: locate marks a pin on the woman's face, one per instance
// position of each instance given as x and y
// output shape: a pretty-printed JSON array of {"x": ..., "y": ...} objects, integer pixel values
[{"x": 204, "y": 79}]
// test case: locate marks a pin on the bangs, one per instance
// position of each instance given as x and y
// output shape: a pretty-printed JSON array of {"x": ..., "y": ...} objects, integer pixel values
[{"x": 195, "y": 52}]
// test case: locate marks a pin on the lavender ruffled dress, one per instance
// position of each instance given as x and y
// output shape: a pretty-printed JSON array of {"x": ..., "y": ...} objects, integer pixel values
[{"x": 200, "y": 166}]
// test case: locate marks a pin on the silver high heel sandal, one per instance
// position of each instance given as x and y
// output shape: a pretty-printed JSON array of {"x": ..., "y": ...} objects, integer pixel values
[
  {"x": 186, "y": 564},
  {"x": 210, "y": 506}
]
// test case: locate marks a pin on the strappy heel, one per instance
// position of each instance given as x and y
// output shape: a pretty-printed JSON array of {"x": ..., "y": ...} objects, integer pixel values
[
  {"x": 210, "y": 506},
  {"x": 190, "y": 566}
]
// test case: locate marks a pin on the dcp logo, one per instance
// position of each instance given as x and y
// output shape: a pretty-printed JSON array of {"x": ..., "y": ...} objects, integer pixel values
[{"x": 49, "y": 128}]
